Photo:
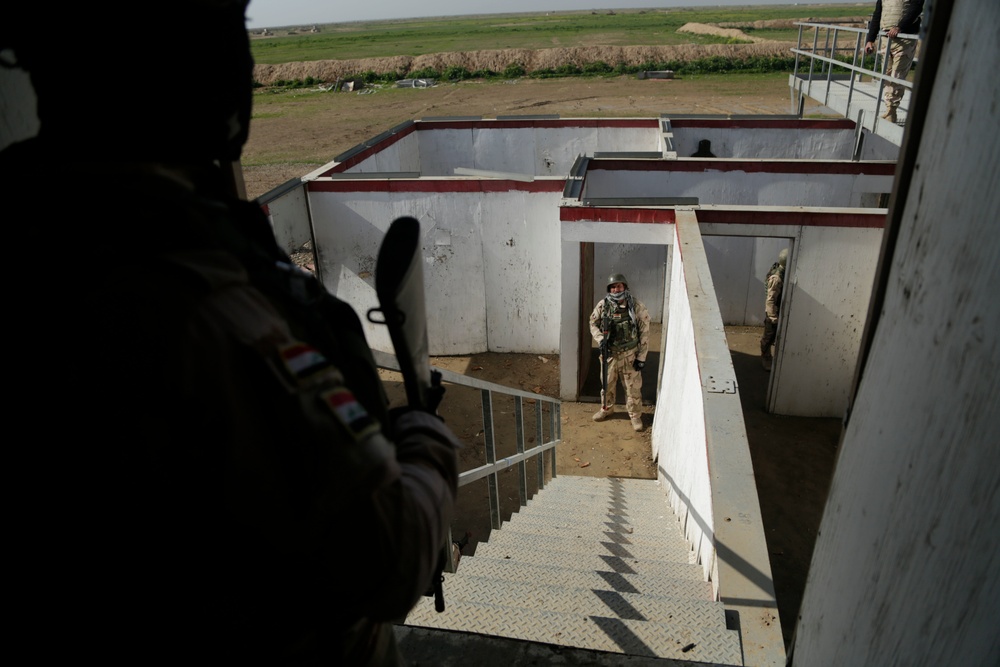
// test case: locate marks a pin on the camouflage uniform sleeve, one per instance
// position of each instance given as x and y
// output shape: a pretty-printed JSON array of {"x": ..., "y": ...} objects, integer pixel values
[
  {"x": 642, "y": 321},
  {"x": 595, "y": 322},
  {"x": 773, "y": 301},
  {"x": 312, "y": 472}
]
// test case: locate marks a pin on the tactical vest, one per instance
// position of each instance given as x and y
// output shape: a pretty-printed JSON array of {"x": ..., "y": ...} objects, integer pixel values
[
  {"x": 894, "y": 10},
  {"x": 775, "y": 270},
  {"x": 623, "y": 333}
]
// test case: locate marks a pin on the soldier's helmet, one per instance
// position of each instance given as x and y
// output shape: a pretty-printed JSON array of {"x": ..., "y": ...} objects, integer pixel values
[
  {"x": 183, "y": 69},
  {"x": 616, "y": 278},
  {"x": 783, "y": 256}
]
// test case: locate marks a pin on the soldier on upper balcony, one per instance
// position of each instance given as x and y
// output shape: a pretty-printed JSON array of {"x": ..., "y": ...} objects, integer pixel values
[{"x": 895, "y": 17}]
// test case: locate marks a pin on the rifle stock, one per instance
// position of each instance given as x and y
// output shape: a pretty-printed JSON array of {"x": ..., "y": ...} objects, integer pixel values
[{"x": 399, "y": 284}]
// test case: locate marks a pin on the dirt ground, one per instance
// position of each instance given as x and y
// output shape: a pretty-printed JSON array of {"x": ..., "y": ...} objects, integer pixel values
[{"x": 793, "y": 458}]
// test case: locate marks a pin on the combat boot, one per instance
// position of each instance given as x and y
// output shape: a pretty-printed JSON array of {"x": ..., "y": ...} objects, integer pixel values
[
  {"x": 765, "y": 361},
  {"x": 603, "y": 414},
  {"x": 890, "y": 115},
  {"x": 636, "y": 422}
]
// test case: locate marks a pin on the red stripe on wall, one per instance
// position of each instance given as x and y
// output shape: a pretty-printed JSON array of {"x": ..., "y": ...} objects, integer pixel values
[
  {"x": 781, "y": 124},
  {"x": 738, "y": 217},
  {"x": 794, "y": 217},
  {"x": 745, "y": 166},
  {"x": 434, "y": 185},
  {"x": 536, "y": 123},
  {"x": 647, "y": 215}
]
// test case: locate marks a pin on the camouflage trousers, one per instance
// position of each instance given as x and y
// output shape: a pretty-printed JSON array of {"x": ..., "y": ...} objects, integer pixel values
[
  {"x": 767, "y": 340},
  {"x": 620, "y": 366},
  {"x": 898, "y": 62}
]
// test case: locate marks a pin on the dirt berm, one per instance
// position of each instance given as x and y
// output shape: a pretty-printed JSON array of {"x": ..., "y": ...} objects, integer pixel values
[{"x": 530, "y": 59}]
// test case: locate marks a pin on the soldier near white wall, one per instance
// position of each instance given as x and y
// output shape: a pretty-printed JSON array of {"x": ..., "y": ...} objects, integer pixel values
[
  {"x": 894, "y": 17},
  {"x": 774, "y": 284},
  {"x": 620, "y": 326}
]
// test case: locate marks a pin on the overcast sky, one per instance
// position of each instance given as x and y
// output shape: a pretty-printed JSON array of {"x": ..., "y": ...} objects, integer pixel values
[{"x": 278, "y": 13}]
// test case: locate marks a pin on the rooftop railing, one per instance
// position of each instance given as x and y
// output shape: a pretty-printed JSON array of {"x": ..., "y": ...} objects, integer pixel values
[{"x": 827, "y": 53}]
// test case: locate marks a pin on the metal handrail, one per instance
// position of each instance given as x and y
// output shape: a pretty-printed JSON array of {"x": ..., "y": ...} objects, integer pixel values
[
  {"x": 827, "y": 59},
  {"x": 493, "y": 466}
]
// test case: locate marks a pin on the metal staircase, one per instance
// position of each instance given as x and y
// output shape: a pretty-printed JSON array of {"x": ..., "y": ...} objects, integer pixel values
[{"x": 589, "y": 563}]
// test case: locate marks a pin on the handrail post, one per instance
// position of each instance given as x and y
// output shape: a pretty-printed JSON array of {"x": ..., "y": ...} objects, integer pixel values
[
  {"x": 795, "y": 70},
  {"x": 812, "y": 61},
  {"x": 491, "y": 457},
  {"x": 522, "y": 477},
  {"x": 555, "y": 427},
  {"x": 539, "y": 438}
]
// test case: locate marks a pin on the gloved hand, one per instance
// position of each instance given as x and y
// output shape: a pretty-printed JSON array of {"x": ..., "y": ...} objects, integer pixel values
[{"x": 638, "y": 365}]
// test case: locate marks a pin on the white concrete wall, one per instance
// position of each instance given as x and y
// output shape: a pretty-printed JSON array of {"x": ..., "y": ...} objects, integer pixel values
[
  {"x": 703, "y": 457},
  {"x": 739, "y": 267},
  {"x": 767, "y": 143},
  {"x": 538, "y": 151},
  {"x": 875, "y": 147},
  {"x": 737, "y": 187},
  {"x": 490, "y": 271},
  {"x": 400, "y": 155},
  {"x": 289, "y": 217},
  {"x": 905, "y": 569},
  {"x": 828, "y": 284},
  {"x": 678, "y": 438},
  {"x": 521, "y": 262},
  {"x": 443, "y": 150},
  {"x": 544, "y": 150}
]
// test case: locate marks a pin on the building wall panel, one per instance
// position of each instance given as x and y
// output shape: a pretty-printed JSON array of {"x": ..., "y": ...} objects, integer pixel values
[{"x": 828, "y": 285}]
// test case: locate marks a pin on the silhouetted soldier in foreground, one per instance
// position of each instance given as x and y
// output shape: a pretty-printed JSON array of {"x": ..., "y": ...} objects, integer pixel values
[{"x": 218, "y": 479}]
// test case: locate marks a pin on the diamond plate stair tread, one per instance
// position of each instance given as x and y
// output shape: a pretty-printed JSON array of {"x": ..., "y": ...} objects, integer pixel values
[
  {"x": 648, "y": 491},
  {"x": 596, "y": 515},
  {"x": 581, "y": 630},
  {"x": 656, "y": 502},
  {"x": 592, "y": 562},
  {"x": 651, "y": 507},
  {"x": 563, "y": 599},
  {"x": 641, "y": 528},
  {"x": 596, "y": 485},
  {"x": 499, "y": 568},
  {"x": 609, "y": 543},
  {"x": 595, "y": 533},
  {"x": 593, "y": 485}
]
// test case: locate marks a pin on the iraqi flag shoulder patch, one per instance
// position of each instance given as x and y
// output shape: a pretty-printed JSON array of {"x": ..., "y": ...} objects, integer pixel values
[
  {"x": 349, "y": 412},
  {"x": 302, "y": 360}
]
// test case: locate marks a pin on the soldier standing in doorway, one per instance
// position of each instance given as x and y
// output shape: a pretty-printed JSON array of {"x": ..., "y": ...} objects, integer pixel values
[
  {"x": 774, "y": 282},
  {"x": 620, "y": 325}
]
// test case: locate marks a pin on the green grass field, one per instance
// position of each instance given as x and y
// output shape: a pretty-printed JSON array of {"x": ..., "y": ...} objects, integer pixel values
[{"x": 412, "y": 37}]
